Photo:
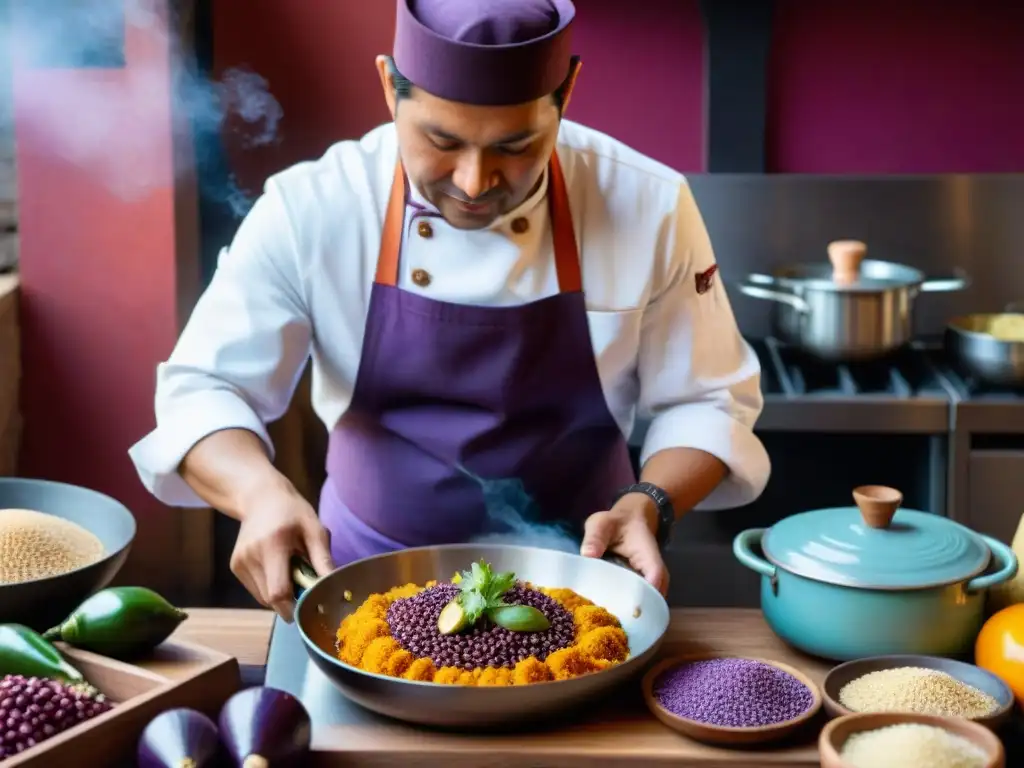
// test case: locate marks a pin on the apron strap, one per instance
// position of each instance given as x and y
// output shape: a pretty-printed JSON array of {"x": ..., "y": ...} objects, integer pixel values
[{"x": 567, "y": 258}]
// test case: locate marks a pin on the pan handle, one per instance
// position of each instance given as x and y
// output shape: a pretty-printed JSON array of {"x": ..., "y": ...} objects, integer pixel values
[
  {"x": 303, "y": 574},
  {"x": 957, "y": 282},
  {"x": 616, "y": 560},
  {"x": 771, "y": 294}
]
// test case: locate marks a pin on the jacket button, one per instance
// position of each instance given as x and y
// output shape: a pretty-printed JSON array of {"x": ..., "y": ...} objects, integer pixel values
[
  {"x": 424, "y": 229},
  {"x": 520, "y": 225},
  {"x": 421, "y": 277}
]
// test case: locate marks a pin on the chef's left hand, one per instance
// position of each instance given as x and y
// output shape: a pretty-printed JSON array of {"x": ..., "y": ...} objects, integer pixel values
[{"x": 627, "y": 529}]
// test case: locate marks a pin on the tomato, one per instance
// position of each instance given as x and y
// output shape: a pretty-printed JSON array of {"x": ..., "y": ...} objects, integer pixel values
[{"x": 1000, "y": 647}]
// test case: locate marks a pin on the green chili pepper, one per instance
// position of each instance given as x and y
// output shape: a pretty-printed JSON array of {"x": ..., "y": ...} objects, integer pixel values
[
  {"x": 120, "y": 622},
  {"x": 25, "y": 652}
]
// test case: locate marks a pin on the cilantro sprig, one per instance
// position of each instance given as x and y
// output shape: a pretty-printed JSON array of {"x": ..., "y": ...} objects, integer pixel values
[{"x": 482, "y": 593}]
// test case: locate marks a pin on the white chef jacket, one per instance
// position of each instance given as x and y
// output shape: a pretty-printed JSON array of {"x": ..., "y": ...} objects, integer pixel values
[{"x": 295, "y": 282}]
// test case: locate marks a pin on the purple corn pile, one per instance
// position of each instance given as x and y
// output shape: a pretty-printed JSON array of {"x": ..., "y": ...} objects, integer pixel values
[
  {"x": 413, "y": 623},
  {"x": 736, "y": 693},
  {"x": 33, "y": 709}
]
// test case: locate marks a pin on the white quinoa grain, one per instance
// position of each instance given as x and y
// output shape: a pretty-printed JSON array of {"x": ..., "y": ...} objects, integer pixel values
[
  {"x": 917, "y": 690},
  {"x": 911, "y": 745},
  {"x": 34, "y": 545}
]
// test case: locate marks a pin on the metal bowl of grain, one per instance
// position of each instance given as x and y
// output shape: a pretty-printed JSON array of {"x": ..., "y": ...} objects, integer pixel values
[{"x": 59, "y": 543}]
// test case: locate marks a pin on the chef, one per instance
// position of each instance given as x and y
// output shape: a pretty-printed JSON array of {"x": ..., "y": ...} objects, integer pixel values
[{"x": 487, "y": 292}]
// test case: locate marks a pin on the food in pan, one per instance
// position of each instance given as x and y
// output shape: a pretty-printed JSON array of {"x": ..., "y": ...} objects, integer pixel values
[
  {"x": 918, "y": 690},
  {"x": 911, "y": 745},
  {"x": 34, "y": 545},
  {"x": 1006, "y": 327},
  {"x": 482, "y": 628},
  {"x": 732, "y": 693}
]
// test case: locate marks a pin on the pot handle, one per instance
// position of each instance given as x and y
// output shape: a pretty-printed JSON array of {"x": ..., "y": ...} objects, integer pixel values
[
  {"x": 771, "y": 294},
  {"x": 743, "y": 549},
  {"x": 958, "y": 282},
  {"x": 1007, "y": 561}
]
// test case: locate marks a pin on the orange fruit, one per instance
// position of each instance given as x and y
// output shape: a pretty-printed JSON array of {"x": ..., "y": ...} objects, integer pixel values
[{"x": 1000, "y": 648}]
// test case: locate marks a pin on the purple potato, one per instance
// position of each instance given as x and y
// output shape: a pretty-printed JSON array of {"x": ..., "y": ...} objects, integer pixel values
[
  {"x": 179, "y": 738},
  {"x": 265, "y": 728}
]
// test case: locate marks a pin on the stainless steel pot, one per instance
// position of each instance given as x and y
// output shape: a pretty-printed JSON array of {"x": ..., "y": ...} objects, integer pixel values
[
  {"x": 852, "y": 309},
  {"x": 989, "y": 347}
]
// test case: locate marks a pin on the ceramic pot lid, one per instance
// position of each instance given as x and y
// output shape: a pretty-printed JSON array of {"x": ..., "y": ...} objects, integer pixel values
[{"x": 874, "y": 546}]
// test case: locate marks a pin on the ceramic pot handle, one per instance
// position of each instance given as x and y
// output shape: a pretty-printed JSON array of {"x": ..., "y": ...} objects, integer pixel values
[
  {"x": 743, "y": 549},
  {"x": 1007, "y": 561}
]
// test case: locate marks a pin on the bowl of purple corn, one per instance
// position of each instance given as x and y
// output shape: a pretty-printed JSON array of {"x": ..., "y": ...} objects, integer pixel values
[{"x": 730, "y": 699}]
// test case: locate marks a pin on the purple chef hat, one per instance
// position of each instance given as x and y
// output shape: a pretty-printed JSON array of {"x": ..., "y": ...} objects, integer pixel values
[{"x": 486, "y": 52}]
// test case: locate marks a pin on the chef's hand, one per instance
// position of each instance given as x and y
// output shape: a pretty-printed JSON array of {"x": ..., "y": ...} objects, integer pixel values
[
  {"x": 628, "y": 530},
  {"x": 274, "y": 528}
]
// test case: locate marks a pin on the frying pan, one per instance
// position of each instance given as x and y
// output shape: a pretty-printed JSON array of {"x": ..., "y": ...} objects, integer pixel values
[
  {"x": 42, "y": 603},
  {"x": 640, "y": 608},
  {"x": 983, "y": 356}
]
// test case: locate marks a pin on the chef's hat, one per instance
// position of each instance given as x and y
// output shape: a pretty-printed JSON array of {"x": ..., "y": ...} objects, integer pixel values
[{"x": 485, "y": 52}]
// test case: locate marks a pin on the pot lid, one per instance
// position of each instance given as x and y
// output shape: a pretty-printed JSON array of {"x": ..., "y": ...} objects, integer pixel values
[
  {"x": 874, "y": 546},
  {"x": 847, "y": 270}
]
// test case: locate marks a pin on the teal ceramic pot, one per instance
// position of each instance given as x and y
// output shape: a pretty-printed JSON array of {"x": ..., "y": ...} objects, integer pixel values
[{"x": 834, "y": 586}]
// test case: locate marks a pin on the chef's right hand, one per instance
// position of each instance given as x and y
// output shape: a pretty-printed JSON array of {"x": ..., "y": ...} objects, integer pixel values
[{"x": 274, "y": 528}]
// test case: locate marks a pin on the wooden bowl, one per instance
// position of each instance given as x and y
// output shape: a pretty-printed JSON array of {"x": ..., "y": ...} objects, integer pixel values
[
  {"x": 835, "y": 734},
  {"x": 725, "y": 735},
  {"x": 974, "y": 676}
]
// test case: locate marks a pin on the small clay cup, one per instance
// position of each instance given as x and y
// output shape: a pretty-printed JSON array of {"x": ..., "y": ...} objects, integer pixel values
[
  {"x": 835, "y": 734},
  {"x": 724, "y": 735},
  {"x": 877, "y": 504}
]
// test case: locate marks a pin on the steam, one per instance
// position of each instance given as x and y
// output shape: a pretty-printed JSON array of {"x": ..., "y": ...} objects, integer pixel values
[
  {"x": 121, "y": 115},
  {"x": 514, "y": 517}
]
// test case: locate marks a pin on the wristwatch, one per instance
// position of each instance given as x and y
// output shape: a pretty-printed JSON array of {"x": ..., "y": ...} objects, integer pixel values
[{"x": 666, "y": 512}]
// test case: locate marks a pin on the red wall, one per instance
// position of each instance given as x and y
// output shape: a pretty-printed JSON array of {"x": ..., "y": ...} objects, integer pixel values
[
  {"x": 98, "y": 277},
  {"x": 642, "y": 77},
  {"x": 873, "y": 86}
]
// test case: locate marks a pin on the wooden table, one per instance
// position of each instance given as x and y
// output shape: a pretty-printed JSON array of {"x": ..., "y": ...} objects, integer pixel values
[{"x": 622, "y": 734}]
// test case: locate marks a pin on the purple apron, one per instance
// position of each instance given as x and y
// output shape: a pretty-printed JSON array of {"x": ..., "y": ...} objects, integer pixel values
[{"x": 447, "y": 394}]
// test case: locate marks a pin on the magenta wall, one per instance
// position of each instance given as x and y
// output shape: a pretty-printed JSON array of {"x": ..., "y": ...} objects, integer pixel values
[
  {"x": 897, "y": 86},
  {"x": 642, "y": 77},
  {"x": 872, "y": 86}
]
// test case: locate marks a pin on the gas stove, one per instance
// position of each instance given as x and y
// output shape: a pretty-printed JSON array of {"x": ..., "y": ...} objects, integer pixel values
[{"x": 915, "y": 390}]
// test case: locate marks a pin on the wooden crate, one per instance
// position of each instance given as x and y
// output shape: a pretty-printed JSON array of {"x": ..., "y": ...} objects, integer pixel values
[{"x": 177, "y": 675}]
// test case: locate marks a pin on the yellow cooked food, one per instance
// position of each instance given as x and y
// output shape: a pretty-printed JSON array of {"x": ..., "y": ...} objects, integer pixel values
[
  {"x": 34, "y": 545},
  {"x": 1006, "y": 327},
  {"x": 397, "y": 634}
]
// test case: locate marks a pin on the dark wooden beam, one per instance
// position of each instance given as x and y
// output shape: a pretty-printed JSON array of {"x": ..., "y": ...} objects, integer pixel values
[{"x": 738, "y": 39}]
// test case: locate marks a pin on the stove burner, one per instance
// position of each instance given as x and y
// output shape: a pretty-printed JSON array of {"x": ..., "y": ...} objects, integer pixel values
[{"x": 791, "y": 372}]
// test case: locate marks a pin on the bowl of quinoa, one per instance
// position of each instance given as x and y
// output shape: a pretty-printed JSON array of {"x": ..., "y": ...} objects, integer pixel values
[
  {"x": 920, "y": 685},
  {"x": 730, "y": 699},
  {"x": 903, "y": 740}
]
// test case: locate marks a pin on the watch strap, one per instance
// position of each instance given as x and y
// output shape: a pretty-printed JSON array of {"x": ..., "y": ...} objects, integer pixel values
[{"x": 666, "y": 511}]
